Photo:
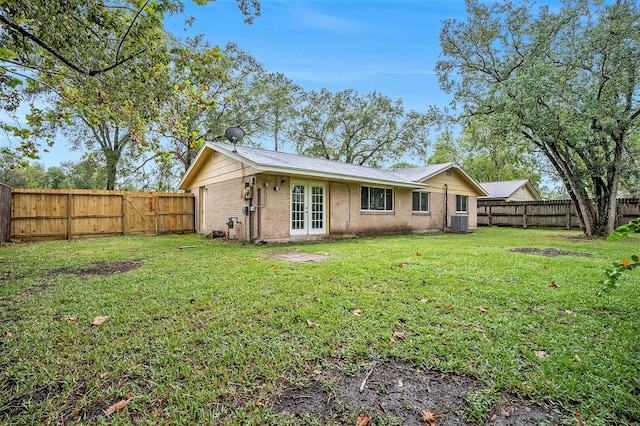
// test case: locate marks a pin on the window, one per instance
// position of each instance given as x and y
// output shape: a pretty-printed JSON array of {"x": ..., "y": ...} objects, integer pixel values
[
  {"x": 420, "y": 201},
  {"x": 374, "y": 199},
  {"x": 461, "y": 203}
]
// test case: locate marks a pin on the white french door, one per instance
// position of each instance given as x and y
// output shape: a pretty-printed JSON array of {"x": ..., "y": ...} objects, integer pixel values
[{"x": 308, "y": 208}]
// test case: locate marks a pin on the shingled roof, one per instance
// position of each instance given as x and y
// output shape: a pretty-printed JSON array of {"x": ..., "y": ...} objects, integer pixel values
[
  {"x": 502, "y": 190},
  {"x": 281, "y": 162},
  {"x": 422, "y": 174}
]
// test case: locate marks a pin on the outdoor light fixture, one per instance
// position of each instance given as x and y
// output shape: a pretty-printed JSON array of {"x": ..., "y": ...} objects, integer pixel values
[{"x": 234, "y": 135}]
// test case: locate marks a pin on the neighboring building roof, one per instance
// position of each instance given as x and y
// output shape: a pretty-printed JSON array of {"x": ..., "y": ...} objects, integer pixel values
[
  {"x": 422, "y": 174},
  {"x": 282, "y": 162},
  {"x": 502, "y": 190}
]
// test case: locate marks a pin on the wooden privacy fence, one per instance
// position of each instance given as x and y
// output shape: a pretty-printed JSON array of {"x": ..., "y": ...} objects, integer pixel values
[
  {"x": 38, "y": 214},
  {"x": 545, "y": 214}
]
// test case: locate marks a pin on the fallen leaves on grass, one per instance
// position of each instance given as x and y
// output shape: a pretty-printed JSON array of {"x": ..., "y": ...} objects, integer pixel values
[
  {"x": 418, "y": 253},
  {"x": 118, "y": 406},
  {"x": 429, "y": 417},
  {"x": 569, "y": 312},
  {"x": 72, "y": 319},
  {"x": 7, "y": 333},
  {"x": 164, "y": 400},
  {"x": 99, "y": 320},
  {"x": 448, "y": 307},
  {"x": 423, "y": 300},
  {"x": 553, "y": 284},
  {"x": 311, "y": 324},
  {"x": 402, "y": 264},
  {"x": 398, "y": 334},
  {"x": 540, "y": 354},
  {"x": 483, "y": 310},
  {"x": 357, "y": 312},
  {"x": 363, "y": 420}
]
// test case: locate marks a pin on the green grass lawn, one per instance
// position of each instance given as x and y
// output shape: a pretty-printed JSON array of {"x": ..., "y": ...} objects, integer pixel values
[{"x": 199, "y": 335}]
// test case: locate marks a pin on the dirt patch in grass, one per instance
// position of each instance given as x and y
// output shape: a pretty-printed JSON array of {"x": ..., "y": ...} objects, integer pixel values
[
  {"x": 100, "y": 268},
  {"x": 297, "y": 256},
  {"x": 550, "y": 252},
  {"x": 396, "y": 393}
]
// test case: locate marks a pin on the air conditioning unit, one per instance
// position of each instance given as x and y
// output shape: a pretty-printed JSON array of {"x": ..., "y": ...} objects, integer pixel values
[{"x": 459, "y": 223}]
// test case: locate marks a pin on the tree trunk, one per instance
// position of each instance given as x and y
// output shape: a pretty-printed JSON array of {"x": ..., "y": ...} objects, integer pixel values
[{"x": 112, "y": 169}]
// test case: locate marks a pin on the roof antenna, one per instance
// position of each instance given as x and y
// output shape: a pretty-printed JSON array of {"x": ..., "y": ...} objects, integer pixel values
[{"x": 234, "y": 135}]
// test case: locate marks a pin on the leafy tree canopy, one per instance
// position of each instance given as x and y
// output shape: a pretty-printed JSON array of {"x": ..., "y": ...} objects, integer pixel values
[
  {"x": 75, "y": 41},
  {"x": 368, "y": 130},
  {"x": 567, "y": 82}
]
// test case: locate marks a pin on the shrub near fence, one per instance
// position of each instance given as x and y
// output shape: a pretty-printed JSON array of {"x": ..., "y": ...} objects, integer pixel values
[
  {"x": 38, "y": 214},
  {"x": 545, "y": 214}
]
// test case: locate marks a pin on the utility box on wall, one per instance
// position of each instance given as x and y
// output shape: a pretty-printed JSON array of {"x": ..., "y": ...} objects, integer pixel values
[{"x": 459, "y": 223}]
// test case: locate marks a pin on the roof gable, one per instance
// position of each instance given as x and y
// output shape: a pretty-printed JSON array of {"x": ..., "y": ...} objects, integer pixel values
[
  {"x": 423, "y": 174},
  {"x": 505, "y": 189}
]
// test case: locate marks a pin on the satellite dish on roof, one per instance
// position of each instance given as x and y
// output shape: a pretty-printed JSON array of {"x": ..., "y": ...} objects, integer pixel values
[{"x": 234, "y": 135}]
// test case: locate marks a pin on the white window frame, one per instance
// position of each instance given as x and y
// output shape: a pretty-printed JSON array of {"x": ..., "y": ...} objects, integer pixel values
[
  {"x": 383, "y": 210},
  {"x": 421, "y": 194},
  {"x": 459, "y": 203}
]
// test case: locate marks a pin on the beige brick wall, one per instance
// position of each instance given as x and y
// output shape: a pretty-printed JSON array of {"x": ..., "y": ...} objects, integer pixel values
[
  {"x": 272, "y": 213},
  {"x": 347, "y": 218}
]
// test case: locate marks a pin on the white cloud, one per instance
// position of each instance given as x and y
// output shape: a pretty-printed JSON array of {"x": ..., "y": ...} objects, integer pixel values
[{"x": 306, "y": 17}]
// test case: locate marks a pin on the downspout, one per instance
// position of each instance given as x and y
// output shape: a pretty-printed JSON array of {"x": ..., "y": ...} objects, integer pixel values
[
  {"x": 446, "y": 206},
  {"x": 259, "y": 211},
  {"x": 250, "y": 222}
]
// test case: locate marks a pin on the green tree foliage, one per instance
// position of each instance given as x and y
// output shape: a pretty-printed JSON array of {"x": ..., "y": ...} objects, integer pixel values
[
  {"x": 276, "y": 99},
  {"x": 17, "y": 173},
  {"x": 24, "y": 174},
  {"x": 196, "y": 76},
  {"x": 260, "y": 102},
  {"x": 87, "y": 173},
  {"x": 613, "y": 274},
  {"x": 492, "y": 156},
  {"x": 216, "y": 88},
  {"x": 445, "y": 150},
  {"x": 568, "y": 82},
  {"x": 110, "y": 113},
  {"x": 88, "y": 47},
  {"x": 366, "y": 130},
  {"x": 486, "y": 155}
]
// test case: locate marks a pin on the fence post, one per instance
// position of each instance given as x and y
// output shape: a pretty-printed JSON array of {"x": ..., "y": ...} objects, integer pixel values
[
  {"x": 123, "y": 214},
  {"x": 6, "y": 198},
  {"x": 157, "y": 199},
  {"x": 524, "y": 217},
  {"x": 69, "y": 216}
]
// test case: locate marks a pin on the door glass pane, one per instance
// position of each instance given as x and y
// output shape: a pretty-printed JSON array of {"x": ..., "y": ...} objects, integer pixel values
[
  {"x": 297, "y": 207},
  {"x": 317, "y": 207}
]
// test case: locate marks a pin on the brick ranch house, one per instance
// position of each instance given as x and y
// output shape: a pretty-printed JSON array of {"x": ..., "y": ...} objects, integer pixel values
[{"x": 256, "y": 194}]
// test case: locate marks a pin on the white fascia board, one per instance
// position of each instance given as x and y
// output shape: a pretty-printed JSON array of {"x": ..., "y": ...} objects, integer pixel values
[{"x": 335, "y": 176}]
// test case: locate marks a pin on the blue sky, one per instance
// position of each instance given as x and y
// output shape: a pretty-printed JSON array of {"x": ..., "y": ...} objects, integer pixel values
[{"x": 376, "y": 45}]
